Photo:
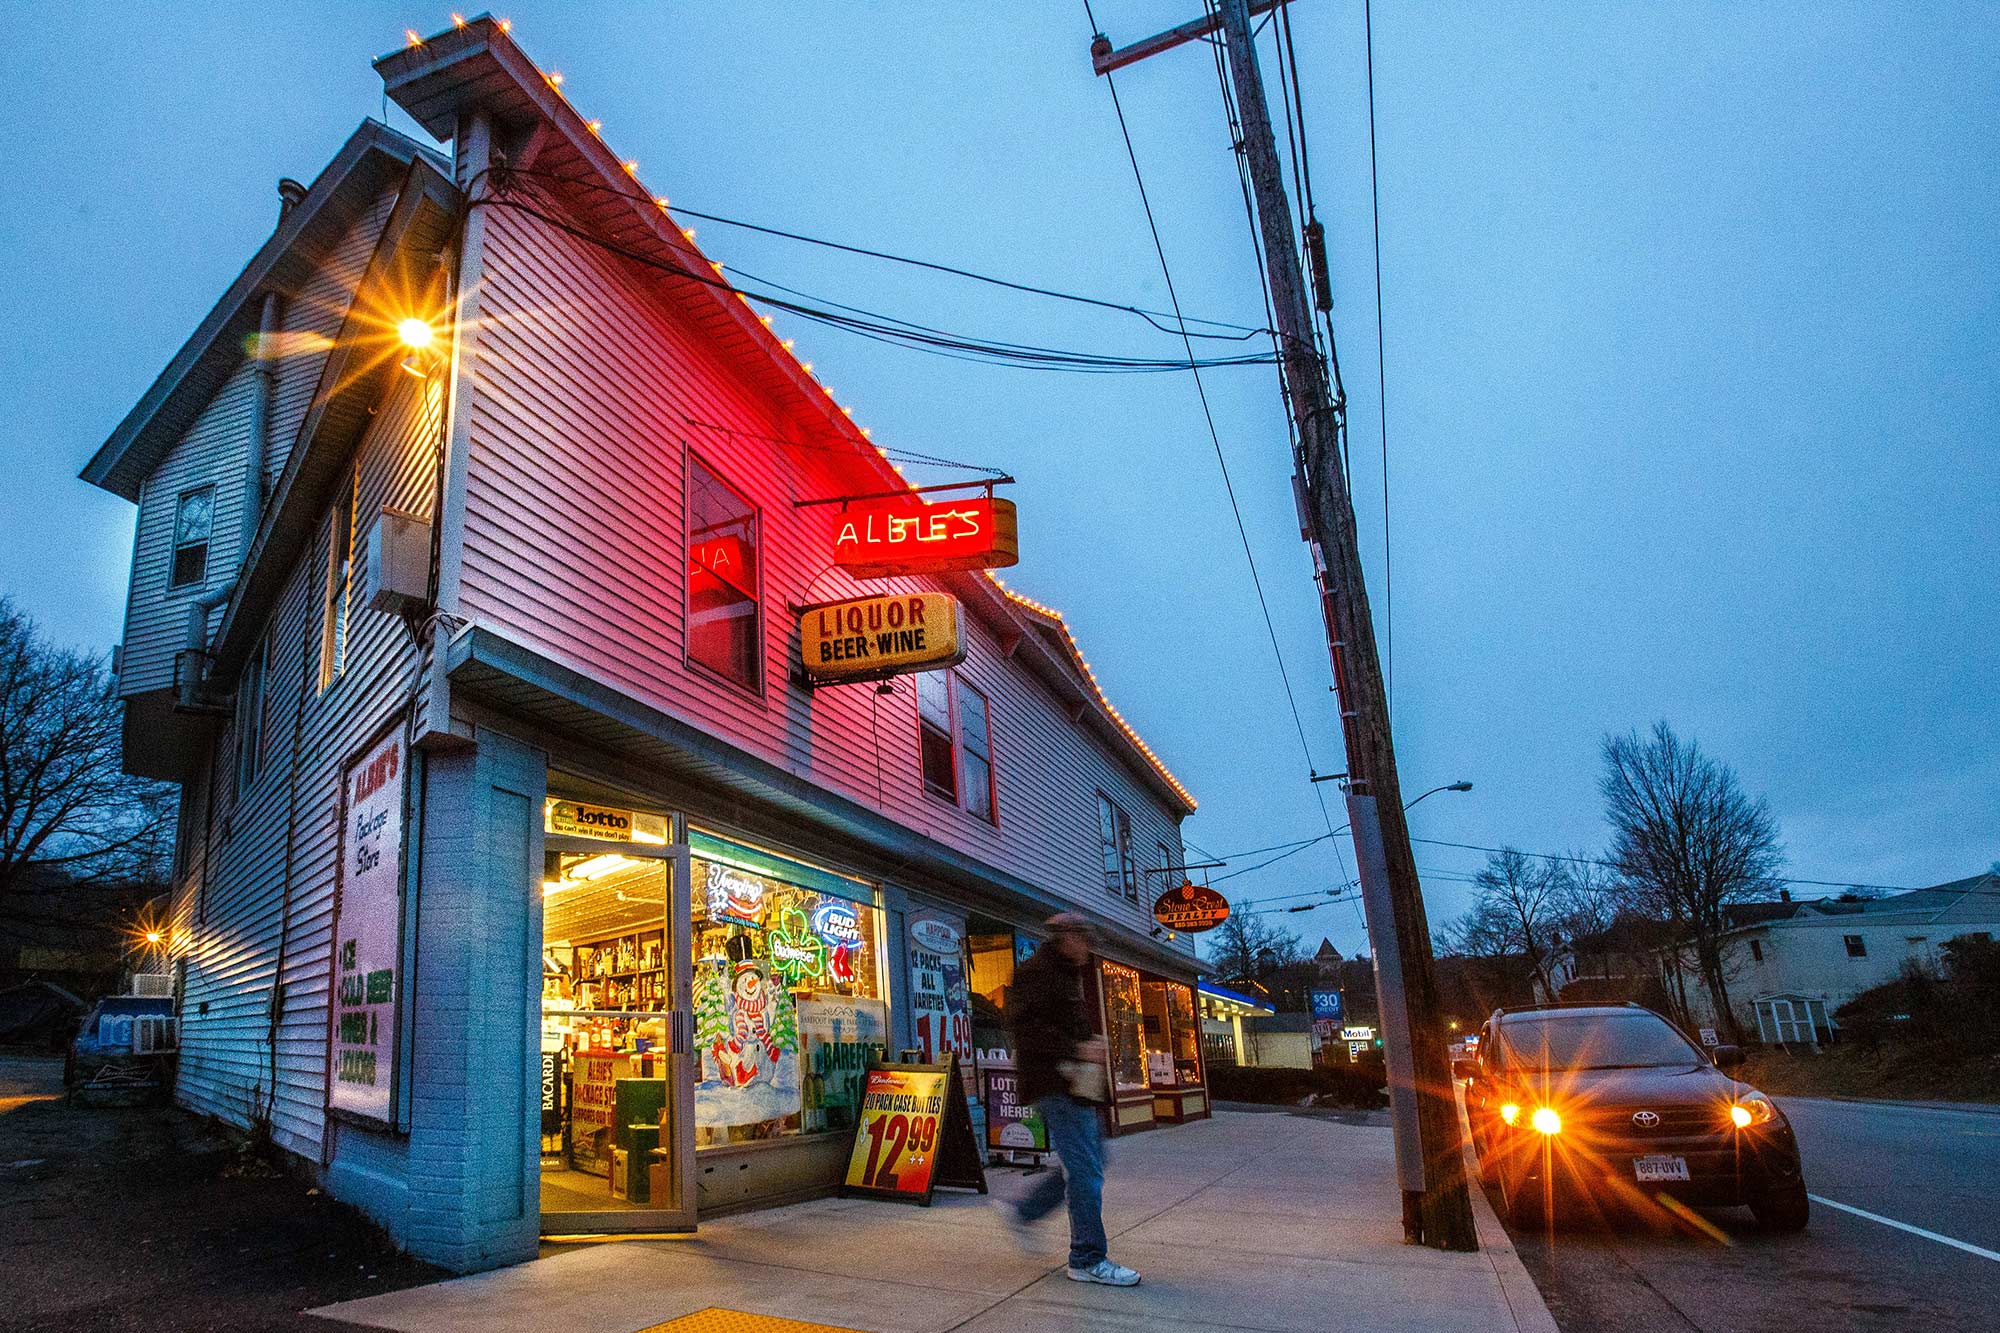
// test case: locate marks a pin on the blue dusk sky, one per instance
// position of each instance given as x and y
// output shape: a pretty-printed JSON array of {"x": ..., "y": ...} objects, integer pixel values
[{"x": 1692, "y": 325}]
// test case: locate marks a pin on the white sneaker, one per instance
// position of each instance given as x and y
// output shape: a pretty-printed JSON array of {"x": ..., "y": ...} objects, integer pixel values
[{"x": 1106, "y": 1272}]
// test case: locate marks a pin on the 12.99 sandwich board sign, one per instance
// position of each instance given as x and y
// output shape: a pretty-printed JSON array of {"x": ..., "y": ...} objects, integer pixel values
[{"x": 913, "y": 1134}]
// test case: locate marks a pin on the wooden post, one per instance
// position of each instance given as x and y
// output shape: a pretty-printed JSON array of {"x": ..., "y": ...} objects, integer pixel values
[{"x": 1440, "y": 1212}]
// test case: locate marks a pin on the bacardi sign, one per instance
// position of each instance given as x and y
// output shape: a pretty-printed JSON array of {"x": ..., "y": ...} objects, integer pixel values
[
  {"x": 906, "y": 535},
  {"x": 867, "y": 638}
]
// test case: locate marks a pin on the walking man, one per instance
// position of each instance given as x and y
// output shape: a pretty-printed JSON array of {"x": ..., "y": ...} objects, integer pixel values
[{"x": 1060, "y": 1066}]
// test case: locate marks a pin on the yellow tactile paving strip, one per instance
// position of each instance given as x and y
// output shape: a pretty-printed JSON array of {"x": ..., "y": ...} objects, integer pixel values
[{"x": 715, "y": 1319}]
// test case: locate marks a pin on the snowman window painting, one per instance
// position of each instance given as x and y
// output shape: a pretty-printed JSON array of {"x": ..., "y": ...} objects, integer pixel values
[{"x": 785, "y": 1000}]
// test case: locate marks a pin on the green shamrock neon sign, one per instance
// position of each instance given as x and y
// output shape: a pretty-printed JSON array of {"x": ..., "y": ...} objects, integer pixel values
[{"x": 796, "y": 953}]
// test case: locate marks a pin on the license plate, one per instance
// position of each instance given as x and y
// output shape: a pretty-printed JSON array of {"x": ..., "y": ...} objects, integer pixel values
[{"x": 1660, "y": 1168}]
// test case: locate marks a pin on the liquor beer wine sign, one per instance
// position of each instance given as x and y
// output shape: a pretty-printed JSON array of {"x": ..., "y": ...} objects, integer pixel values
[
  {"x": 868, "y": 638},
  {"x": 1191, "y": 909},
  {"x": 905, "y": 535}
]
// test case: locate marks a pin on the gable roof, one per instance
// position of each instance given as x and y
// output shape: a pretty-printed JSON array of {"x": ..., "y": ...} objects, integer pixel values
[
  {"x": 477, "y": 65},
  {"x": 373, "y": 157},
  {"x": 1973, "y": 899}
]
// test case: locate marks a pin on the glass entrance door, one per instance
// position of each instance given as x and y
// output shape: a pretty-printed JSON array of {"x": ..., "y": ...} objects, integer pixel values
[{"x": 617, "y": 1103}]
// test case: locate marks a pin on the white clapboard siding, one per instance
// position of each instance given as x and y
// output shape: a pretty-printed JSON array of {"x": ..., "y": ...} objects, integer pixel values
[
  {"x": 216, "y": 450},
  {"x": 311, "y": 318},
  {"x": 239, "y": 912},
  {"x": 575, "y": 547}
]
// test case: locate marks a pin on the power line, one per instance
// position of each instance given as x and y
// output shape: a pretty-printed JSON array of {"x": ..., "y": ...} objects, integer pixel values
[
  {"x": 887, "y": 329},
  {"x": 1613, "y": 865},
  {"x": 1208, "y": 415},
  {"x": 841, "y": 446},
  {"x": 1240, "y": 332},
  {"x": 1381, "y": 372}
]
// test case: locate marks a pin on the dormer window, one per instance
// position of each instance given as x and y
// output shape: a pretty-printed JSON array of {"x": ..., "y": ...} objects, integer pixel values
[{"x": 194, "y": 523}]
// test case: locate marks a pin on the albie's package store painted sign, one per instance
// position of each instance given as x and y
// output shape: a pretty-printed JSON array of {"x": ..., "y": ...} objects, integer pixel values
[{"x": 366, "y": 936}]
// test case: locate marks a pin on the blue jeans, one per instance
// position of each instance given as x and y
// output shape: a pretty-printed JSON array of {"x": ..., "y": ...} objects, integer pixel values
[{"x": 1074, "y": 1134}]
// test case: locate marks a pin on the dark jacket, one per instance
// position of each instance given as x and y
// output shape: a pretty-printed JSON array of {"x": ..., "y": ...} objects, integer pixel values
[{"x": 1047, "y": 1010}]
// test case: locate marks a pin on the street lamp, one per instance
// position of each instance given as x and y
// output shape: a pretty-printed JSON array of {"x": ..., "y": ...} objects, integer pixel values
[{"x": 1449, "y": 786}]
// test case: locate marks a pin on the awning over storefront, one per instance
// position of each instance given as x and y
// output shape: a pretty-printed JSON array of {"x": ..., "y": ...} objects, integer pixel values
[{"x": 492, "y": 671}]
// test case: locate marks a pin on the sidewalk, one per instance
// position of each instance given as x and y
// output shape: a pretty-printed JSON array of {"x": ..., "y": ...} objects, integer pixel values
[{"x": 1247, "y": 1221}]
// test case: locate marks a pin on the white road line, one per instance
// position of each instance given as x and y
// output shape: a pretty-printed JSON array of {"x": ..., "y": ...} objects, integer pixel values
[{"x": 1905, "y": 1226}]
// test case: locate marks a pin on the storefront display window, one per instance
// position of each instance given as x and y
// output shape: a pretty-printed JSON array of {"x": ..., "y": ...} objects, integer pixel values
[
  {"x": 1125, "y": 1030},
  {"x": 787, "y": 998},
  {"x": 992, "y": 955},
  {"x": 1173, "y": 1044}
]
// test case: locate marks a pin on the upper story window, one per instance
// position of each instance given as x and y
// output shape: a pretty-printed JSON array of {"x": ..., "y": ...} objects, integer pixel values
[
  {"x": 934, "y": 734},
  {"x": 1757, "y": 951},
  {"x": 955, "y": 742},
  {"x": 250, "y": 718},
  {"x": 1856, "y": 946},
  {"x": 194, "y": 524},
  {"x": 1115, "y": 833},
  {"x": 339, "y": 583},
  {"x": 724, "y": 620}
]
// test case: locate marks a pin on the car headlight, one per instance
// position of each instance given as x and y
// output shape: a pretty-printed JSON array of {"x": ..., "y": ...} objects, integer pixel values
[
  {"x": 1546, "y": 1120},
  {"x": 1755, "y": 1109},
  {"x": 1510, "y": 1113}
]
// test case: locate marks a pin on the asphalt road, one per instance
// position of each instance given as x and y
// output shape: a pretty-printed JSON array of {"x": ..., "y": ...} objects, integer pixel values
[{"x": 1933, "y": 1169}]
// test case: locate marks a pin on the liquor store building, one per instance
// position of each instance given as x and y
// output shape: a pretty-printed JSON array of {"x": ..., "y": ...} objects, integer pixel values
[{"x": 568, "y": 814}]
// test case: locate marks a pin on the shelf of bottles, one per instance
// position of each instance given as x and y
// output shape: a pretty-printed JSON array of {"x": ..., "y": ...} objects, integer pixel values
[{"x": 624, "y": 972}]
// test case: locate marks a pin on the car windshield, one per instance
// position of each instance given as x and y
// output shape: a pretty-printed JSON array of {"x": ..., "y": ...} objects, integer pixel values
[{"x": 1594, "y": 1041}]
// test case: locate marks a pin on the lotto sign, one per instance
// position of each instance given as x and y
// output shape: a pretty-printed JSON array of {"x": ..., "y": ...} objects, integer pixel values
[
  {"x": 367, "y": 934},
  {"x": 869, "y": 638},
  {"x": 913, "y": 1133},
  {"x": 1011, "y": 1122},
  {"x": 905, "y": 535}
]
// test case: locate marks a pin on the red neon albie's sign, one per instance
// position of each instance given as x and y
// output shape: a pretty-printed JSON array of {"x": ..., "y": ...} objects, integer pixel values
[{"x": 905, "y": 535}]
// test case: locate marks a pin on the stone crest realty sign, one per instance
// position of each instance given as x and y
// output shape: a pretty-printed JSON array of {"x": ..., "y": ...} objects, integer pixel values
[{"x": 1191, "y": 909}]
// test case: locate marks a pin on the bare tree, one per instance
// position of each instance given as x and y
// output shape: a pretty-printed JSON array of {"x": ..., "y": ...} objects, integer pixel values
[
  {"x": 1687, "y": 843},
  {"x": 1248, "y": 946},
  {"x": 1524, "y": 908},
  {"x": 68, "y": 811}
]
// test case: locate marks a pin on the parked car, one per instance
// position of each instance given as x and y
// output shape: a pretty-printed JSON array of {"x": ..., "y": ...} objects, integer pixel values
[
  {"x": 122, "y": 1048},
  {"x": 1615, "y": 1103}
]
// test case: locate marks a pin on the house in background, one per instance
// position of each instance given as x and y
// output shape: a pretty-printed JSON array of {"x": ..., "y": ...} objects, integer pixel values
[{"x": 1791, "y": 965}]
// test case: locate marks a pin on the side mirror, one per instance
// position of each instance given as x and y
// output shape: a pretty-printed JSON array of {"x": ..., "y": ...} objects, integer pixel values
[
  {"x": 1465, "y": 1069},
  {"x": 1728, "y": 1057}
]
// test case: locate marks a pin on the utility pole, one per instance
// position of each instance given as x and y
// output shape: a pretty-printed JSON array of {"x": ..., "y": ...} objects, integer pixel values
[{"x": 1429, "y": 1147}]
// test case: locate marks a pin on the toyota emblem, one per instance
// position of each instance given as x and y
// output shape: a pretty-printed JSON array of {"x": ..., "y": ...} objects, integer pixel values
[{"x": 1646, "y": 1119}]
